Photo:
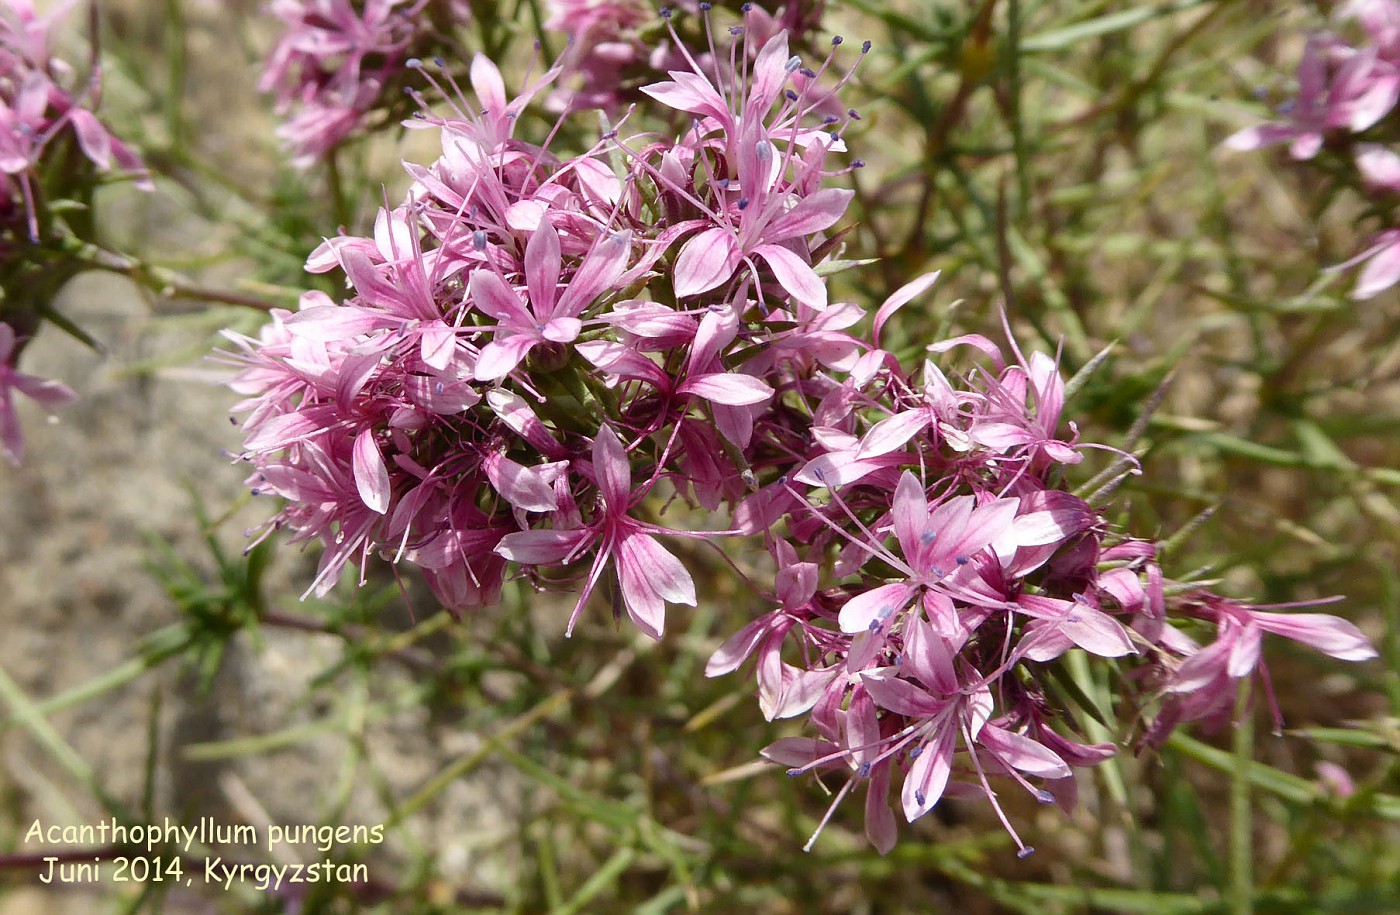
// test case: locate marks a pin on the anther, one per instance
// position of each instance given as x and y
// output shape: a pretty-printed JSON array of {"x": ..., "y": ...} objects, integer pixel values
[
  {"x": 865, "y": 770},
  {"x": 1026, "y": 852},
  {"x": 479, "y": 239},
  {"x": 1045, "y": 797},
  {"x": 442, "y": 64},
  {"x": 836, "y": 40},
  {"x": 865, "y": 48},
  {"x": 706, "y": 7},
  {"x": 791, "y": 95},
  {"x": 857, "y": 163},
  {"x": 809, "y": 73},
  {"x": 793, "y": 63},
  {"x": 665, "y": 12},
  {"x": 743, "y": 203}
]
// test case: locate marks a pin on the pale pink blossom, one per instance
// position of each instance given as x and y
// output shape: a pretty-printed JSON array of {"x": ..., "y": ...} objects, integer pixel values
[{"x": 45, "y": 392}]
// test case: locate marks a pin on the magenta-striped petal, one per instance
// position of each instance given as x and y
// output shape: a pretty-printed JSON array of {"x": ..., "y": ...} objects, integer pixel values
[
  {"x": 650, "y": 576},
  {"x": 1022, "y": 753},
  {"x": 795, "y": 275},
  {"x": 880, "y": 826},
  {"x": 542, "y": 266},
  {"x": 732, "y": 389},
  {"x": 705, "y": 261},
  {"x": 371, "y": 474},
  {"x": 1329, "y": 634},
  {"x": 540, "y": 547},
  {"x": 901, "y": 696},
  {"x": 526, "y": 488},
  {"x": 892, "y": 432},
  {"x": 928, "y": 776},
  {"x": 872, "y": 608},
  {"x": 612, "y": 470},
  {"x": 500, "y": 357}
]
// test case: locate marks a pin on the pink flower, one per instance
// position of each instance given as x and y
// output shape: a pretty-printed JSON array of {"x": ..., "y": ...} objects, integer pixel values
[
  {"x": 549, "y": 316},
  {"x": 36, "y": 108},
  {"x": 333, "y": 65},
  {"x": 43, "y": 391},
  {"x": 647, "y": 574},
  {"x": 1339, "y": 90},
  {"x": 593, "y": 19},
  {"x": 768, "y": 203},
  {"x": 1203, "y": 685},
  {"x": 1382, "y": 270}
]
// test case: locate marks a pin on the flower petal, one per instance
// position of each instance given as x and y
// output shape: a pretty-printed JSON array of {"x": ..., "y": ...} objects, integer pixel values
[
  {"x": 872, "y": 608},
  {"x": 371, "y": 474},
  {"x": 795, "y": 275},
  {"x": 733, "y": 389},
  {"x": 705, "y": 261},
  {"x": 1329, "y": 634}
]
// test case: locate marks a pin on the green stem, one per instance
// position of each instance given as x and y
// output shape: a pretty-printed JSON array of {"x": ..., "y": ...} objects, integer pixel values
[
  {"x": 340, "y": 207},
  {"x": 1241, "y": 894},
  {"x": 178, "y": 62},
  {"x": 161, "y": 281}
]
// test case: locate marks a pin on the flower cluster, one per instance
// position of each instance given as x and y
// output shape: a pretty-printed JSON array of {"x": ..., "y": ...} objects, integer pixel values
[
  {"x": 615, "y": 46},
  {"x": 340, "y": 61},
  {"x": 922, "y": 655},
  {"x": 41, "y": 119},
  {"x": 542, "y": 351},
  {"x": 53, "y": 151},
  {"x": 526, "y": 327},
  {"x": 1346, "y": 96}
]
